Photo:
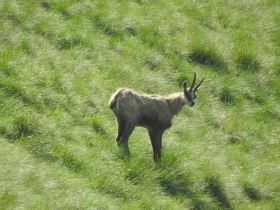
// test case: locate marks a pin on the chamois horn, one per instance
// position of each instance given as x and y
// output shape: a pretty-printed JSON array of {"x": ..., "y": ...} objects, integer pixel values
[
  {"x": 196, "y": 88},
  {"x": 193, "y": 81}
]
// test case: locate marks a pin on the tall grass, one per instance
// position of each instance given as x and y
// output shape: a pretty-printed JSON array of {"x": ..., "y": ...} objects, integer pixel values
[{"x": 61, "y": 60}]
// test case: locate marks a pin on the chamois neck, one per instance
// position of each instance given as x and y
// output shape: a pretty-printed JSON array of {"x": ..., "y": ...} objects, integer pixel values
[{"x": 175, "y": 102}]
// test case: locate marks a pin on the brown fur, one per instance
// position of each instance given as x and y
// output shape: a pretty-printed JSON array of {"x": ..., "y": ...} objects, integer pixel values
[{"x": 154, "y": 112}]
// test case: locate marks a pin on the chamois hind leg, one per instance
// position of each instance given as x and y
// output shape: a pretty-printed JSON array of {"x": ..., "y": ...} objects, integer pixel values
[
  {"x": 129, "y": 127},
  {"x": 121, "y": 127}
]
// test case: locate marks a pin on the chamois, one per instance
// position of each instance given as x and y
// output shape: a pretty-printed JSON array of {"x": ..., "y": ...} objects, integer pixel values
[{"x": 154, "y": 112}]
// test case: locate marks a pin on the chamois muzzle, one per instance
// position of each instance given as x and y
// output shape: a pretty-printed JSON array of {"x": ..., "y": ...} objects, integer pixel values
[{"x": 192, "y": 103}]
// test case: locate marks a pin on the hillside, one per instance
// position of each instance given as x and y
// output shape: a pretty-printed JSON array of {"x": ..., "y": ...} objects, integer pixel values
[{"x": 61, "y": 60}]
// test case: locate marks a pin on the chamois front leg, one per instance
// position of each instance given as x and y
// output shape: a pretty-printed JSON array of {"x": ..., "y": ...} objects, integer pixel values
[
  {"x": 158, "y": 146},
  {"x": 156, "y": 140}
]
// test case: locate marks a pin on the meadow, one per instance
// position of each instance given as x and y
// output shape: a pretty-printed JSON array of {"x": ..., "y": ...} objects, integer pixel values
[{"x": 61, "y": 60}]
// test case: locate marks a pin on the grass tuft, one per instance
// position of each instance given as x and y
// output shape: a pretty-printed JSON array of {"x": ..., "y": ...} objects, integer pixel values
[
  {"x": 176, "y": 185},
  {"x": 206, "y": 56},
  {"x": 253, "y": 193},
  {"x": 7, "y": 199},
  {"x": 68, "y": 43},
  {"x": 153, "y": 62},
  {"x": 226, "y": 96},
  {"x": 246, "y": 61},
  {"x": 23, "y": 127},
  {"x": 45, "y": 4}
]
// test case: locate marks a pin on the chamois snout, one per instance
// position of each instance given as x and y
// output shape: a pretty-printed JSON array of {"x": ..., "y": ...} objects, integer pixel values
[{"x": 192, "y": 103}]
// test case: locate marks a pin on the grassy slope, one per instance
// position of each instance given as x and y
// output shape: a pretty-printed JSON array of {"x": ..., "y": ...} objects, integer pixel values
[{"x": 61, "y": 60}]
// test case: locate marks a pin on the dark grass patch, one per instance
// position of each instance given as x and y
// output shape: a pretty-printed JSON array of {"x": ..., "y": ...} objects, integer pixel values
[
  {"x": 38, "y": 147},
  {"x": 257, "y": 98},
  {"x": 226, "y": 96},
  {"x": 130, "y": 30},
  {"x": 234, "y": 139},
  {"x": 12, "y": 17},
  {"x": 42, "y": 29},
  {"x": 172, "y": 180},
  {"x": 58, "y": 153},
  {"x": 177, "y": 188},
  {"x": 215, "y": 189},
  {"x": 15, "y": 90},
  {"x": 62, "y": 8},
  {"x": 175, "y": 185},
  {"x": 268, "y": 114},
  {"x": 140, "y": 2},
  {"x": 22, "y": 129},
  {"x": 253, "y": 193},
  {"x": 68, "y": 43},
  {"x": 179, "y": 185},
  {"x": 25, "y": 126},
  {"x": 272, "y": 113},
  {"x": 42, "y": 148},
  {"x": 45, "y": 4},
  {"x": 72, "y": 163},
  {"x": 107, "y": 28},
  {"x": 206, "y": 56}
]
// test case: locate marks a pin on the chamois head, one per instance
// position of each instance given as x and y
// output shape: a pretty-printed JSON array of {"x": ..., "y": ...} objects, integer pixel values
[{"x": 190, "y": 94}]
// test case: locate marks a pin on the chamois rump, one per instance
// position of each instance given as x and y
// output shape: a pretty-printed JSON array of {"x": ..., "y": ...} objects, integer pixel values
[{"x": 154, "y": 112}]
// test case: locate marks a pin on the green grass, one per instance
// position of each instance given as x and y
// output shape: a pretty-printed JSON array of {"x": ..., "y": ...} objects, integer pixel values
[{"x": 61, "y": 60}]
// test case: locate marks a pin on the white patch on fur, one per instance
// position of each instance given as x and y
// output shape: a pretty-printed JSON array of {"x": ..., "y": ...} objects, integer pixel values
[{"x": 117, "y": 105}]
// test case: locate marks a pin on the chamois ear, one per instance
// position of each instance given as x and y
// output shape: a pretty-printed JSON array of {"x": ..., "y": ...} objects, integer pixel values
[{"x": 184, "y": 85}]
